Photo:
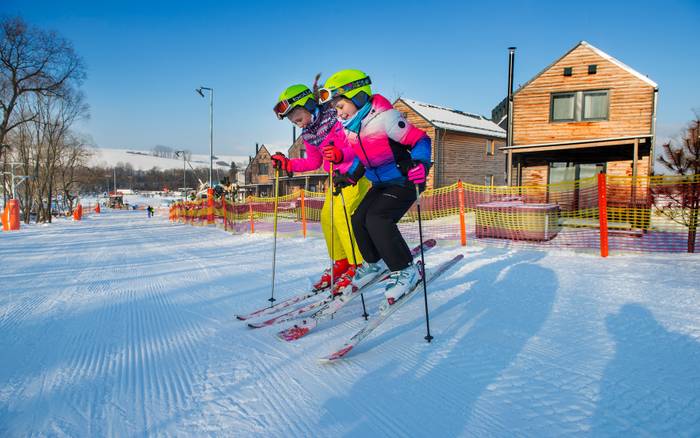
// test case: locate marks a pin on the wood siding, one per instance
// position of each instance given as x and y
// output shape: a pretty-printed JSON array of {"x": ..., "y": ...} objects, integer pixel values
[
  {"x": 419, "y": 122},
  {"x": 458, "y": 155},
  {"x": 463, "y": 156},
  {"x": 630, "y": 102},
  {"x": 252, "y": 174}
]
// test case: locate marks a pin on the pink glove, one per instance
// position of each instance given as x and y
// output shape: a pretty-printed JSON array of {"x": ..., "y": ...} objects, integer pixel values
[
  {"x": 417, "y": 174},
  {"x": 332, "y": 154}
]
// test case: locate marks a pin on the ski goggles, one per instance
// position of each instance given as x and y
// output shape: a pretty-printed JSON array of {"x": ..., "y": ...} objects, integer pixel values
[
  {"x": 326, "y": 94},
  {"x": 283, "y": 107}
]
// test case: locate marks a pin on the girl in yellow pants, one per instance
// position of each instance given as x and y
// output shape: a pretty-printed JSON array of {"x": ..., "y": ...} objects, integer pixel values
[{"x": 325, "y": 143}]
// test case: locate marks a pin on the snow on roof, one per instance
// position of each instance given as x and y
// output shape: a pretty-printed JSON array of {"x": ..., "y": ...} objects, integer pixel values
[
  {"x": 455, "y": 120},
  {"x": 600, "y": 53},
  {"x": 619, "y": 64}
]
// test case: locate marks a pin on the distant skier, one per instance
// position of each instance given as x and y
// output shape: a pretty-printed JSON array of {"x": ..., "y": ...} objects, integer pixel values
[
  {"x": 396, "y": 156},
  {"x": 149, "y": 209},
  {"x": 325, "y": 142}
]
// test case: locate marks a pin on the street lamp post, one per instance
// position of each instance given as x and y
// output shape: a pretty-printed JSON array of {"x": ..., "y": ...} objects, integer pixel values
[
  {"x": 184, "y": 174},
  {"x": 200, "y": 91}
]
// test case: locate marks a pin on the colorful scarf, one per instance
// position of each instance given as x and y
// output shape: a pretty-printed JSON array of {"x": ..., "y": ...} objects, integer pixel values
[{"x": 355, "y": 123}]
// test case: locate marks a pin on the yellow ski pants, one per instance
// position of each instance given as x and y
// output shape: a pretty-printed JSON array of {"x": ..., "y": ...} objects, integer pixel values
[{"x": 339, "y": 241}]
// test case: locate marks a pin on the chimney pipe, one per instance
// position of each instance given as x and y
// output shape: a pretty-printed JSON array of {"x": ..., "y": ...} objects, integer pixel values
[
  {"x": 257, "y": 149},
  {"x": 294, "y": 134},
  {"x": 509, "y": 109},
  {"x": 511, "y": 65}
]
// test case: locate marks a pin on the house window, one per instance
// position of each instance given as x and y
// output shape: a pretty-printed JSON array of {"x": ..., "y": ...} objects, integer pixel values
[
  {"x": 563, "y": 107},
  {"x": 595, "y": 105},
  {"x": 262, "y": 168},
  {"x": 568, "y": 71},
  {"x": 592, "y": 69},
  {"x": 579, "y": 105},
  {"x": 490, "y": 146},
  {"x": 488, "y": 180},
  {"x": 302, "y": 152}
]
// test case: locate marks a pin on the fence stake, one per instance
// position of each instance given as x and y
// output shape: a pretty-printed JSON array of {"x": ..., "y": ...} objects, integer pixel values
[
  {"x": 250, "y": 209},
  {"x": 223, "y": 204},
  {"x": 462, "y": 225},
  {"x": 210, "y": 206},
  {"x": 603, "y": 215},
  {"x": 303, "y": 213}
]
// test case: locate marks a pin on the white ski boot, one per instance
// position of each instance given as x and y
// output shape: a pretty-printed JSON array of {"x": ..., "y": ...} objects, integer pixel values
[
  {"x": 367, "y": 272},
  {"x": 401, "y": 282}
]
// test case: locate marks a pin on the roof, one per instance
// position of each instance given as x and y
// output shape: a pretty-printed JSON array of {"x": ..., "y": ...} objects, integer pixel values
[
  {"x": 455, "y": 120},
  {"x": 602, "y": 55}
]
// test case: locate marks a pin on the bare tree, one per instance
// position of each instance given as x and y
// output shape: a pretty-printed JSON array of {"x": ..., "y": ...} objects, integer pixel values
[
  {"x": 681, "y": 202},
  {"x": 32, "y": 62}
]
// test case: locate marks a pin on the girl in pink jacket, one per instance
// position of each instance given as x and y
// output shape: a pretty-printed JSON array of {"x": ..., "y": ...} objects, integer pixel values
[{"x": 396, "y": 157}]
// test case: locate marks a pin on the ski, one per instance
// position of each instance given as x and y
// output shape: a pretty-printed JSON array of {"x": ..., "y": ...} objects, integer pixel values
[
  {"x": 292, "y": 314},
  {"x": 282, "y": 304},
  {"x": 382, "y": 316},
  {"x": 328, "y": 311}
]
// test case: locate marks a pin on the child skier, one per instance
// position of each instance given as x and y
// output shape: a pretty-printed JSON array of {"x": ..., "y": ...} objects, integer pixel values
[
  {"x": 396, "y": 158},
  {"x": 325, "y": 142}
]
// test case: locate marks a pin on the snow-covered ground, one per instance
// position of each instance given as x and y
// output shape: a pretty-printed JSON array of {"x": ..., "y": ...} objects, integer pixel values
[
  {"x": 144, "y": 160},
  {"x": 123, "y": 326}
]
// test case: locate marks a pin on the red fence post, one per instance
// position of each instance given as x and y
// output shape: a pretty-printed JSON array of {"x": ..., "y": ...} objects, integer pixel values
[
  {"x": 603, "y": 214},
  {"x": 250, "y": 209},
  {"x": 223, "y": 204},
  {"x": 462, "y": 224},
  {"x": 210, "y": 205},
  {"x": 303, "y": 213}
]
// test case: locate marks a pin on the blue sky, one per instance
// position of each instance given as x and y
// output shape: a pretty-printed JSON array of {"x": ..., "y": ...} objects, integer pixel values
[{"x": 145, "y": 59}]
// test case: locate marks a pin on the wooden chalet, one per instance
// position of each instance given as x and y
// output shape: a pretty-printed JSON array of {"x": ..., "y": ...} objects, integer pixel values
[
  {"x": 313, "y": 180},
  {"x": 259, "y": 174},
  {"x": 584, "y": 114},
  {"x": 465, "y": 145}
]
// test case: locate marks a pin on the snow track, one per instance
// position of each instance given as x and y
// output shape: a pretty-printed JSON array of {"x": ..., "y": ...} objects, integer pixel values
[{"x": 124, "y": 326}]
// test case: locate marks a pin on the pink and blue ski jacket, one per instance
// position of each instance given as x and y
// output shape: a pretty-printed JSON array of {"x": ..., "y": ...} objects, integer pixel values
[
  {"x": 324, "y": 128},
  {"x": 386, "y": 143}
]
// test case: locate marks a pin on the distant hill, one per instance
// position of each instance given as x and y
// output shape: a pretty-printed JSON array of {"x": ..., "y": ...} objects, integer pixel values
[{"x": 144, "y": 160}]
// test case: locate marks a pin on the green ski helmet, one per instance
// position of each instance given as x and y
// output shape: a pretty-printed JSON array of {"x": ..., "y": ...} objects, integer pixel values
[
  {"x": 292, "y": 97},
  {"x": 351, "y": 84}
]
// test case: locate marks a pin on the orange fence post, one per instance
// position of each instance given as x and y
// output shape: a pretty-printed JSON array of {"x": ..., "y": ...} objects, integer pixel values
[
  {"x": 5, "y": 219},
  {"x": 303, "y": 213},
  {"x": 210, "y": 206},
  {"x": 223, "y": 204},
  {"x": 603, "y": 215},
  {"x": 97, "y": 208},
  {"x": 462, "y": 225},
  {"x": 78, "y": 213},
  {"x": 250, "y": 209},
  {"x": 13, "y": 215}
]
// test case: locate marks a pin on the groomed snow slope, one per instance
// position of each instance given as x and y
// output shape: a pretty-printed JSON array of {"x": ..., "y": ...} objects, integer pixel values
[{"x": 123, "y": 326}]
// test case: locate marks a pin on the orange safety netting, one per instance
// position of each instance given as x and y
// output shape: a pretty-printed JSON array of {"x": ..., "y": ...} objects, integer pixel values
[{"x": 601, "y": 213}]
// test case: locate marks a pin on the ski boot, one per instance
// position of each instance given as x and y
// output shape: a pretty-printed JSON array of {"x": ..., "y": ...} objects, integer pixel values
[
  {"x": 345, "y": 280},
  {"x": 401, "y": 283},
  {"x": 339, "y": 268}
]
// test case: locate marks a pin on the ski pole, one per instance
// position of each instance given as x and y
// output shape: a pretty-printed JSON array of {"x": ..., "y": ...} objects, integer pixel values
[
  {"x": 428, "y": 337},
  {"x": 330, "y": 190},
  {"x": 274, "y": 235},
  {"x": 352, "y": 248}
]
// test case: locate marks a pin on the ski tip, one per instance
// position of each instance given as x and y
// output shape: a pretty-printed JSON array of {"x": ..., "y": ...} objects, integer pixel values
[
  {"x": 255, "y": 326},
  {"x": 241, "y": 318},
  {"x": 337, "y": 355},
  {"x": 292, "y": 333}
]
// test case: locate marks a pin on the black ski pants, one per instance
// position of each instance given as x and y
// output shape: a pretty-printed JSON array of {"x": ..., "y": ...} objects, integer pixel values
[{"x": 374, "y": 223}]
